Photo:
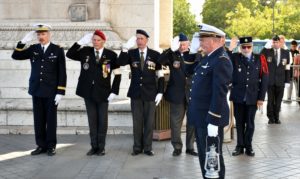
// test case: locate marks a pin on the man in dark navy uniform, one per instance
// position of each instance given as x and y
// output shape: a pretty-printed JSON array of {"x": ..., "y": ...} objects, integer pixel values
[
  {"x": 278, "y": 64},
  {"x": 145, "y": 91},
  {"x": 249, "y": 87},
  {"x": 208, "y": 108},
  {"x": 175, "y": 94},
  {"x": 47, "y": 85},
  {"x": 94, "y": 85}
]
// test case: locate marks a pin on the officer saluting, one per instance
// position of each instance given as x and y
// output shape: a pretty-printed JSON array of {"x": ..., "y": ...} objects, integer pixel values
[
  {"x": 175, "y": 94},
  {"x": 249, "y": 87},
  {"x": 144, "y": 90},
  {"x": 278, "y": 64},
  {"x": 94, "y": 85},
  {"x": 47, "y": 84},
  {"x": 208, "y": 109}
]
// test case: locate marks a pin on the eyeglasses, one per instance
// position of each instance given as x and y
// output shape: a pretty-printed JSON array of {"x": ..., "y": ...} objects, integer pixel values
[{"x": 248, "y": 47}]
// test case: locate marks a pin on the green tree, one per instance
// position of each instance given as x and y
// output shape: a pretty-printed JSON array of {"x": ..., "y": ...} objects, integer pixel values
[
  {"x": 183, "y": 20},
  {"x": 254, "y": 17}
]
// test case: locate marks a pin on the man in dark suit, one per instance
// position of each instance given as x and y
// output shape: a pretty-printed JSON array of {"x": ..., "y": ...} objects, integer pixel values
[
  {"x": 145, "y": 89},
  {"x": 47, "y": 84},
  {"x": 94, "y": 85},
  {"x": 278, "y": 64},
  {"x": 208, "y": 109},
  {"x": 249, "y": 86},
  {"x": 175, "y": 94}
]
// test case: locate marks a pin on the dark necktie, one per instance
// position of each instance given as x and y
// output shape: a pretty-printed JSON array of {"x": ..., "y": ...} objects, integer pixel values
[
  {"x": 97, "y": 57},
  {"x": 43, "y": 49},
  {"x": 142, "y": 60}
]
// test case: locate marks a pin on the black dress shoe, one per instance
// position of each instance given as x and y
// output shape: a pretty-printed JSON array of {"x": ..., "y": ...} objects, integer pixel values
[
  {"x": 176, "y": 152},
  {"x": 51, "y": 152},
  {"x": 135, "y": 152},
  {"x": 149, "y": 153},
  {"x": 92, "y": 151},
  {"x": 278, "y": 122},
  {"x": 191, "y": 152},
  {"x": 101, "y": 152},
  {"x": 250, "y": 152},
  {"x": 271, "y": 122},
  {"x": 238, "y": 151},
  {"x": 38, "y": 151}
]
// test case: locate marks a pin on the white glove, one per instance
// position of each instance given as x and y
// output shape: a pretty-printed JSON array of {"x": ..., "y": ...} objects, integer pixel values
[
  {"x": 286, "y": 85},
  {"x": 28, "y": 37},
  {"x": 175, "y": 44},
  {"x": 158, "y": 98},
  {"x": 86, "y": 39},
  {"x": 195, "y": 44},
  {"x": 130, "y": 43},
  {"x": 111, "y": 97},
  {"x": 58, "y": 98},
  {"x": 212, "y": 130}
]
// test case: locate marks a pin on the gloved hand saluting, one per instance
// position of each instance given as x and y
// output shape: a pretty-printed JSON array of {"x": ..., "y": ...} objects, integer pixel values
[
  {"x": 158, "y": 98},
  {"x": 212, "y": 130},
  {"x": 28, "y": 37},
  {"x": 86, "y": 39},
  {"x": 195, "y": 44},
  {"x": 130, "y": 43},
  {"x": 175, "y": 44}
]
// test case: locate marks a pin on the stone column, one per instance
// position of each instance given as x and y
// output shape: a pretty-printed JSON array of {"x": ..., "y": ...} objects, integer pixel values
[{"x": 166, "y": 23}]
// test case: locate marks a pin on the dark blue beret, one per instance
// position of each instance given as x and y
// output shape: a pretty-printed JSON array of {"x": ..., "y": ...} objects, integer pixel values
[
  {"x": 140, "y": 31},
  {"x": 182, "y": 37}
]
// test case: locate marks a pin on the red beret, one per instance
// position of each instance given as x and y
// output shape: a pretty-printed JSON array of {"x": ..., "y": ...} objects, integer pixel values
[{"x": 100, "y": 34}]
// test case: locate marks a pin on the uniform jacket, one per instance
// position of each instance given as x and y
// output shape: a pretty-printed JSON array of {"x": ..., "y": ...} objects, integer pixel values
[
  {"x": 278, "y": 75},
  {"x": 95, "y": 79},
  {"x": 208, "y": 96},
  {"x": 48, "y": 70},
  {"x": 249, "y": 81},
  {"x": 176, "y": 86},
  {"x": 144, "y": 84}
]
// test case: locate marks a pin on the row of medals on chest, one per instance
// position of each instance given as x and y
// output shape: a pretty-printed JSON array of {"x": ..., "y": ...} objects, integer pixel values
[{"x": 105, "y": 66}]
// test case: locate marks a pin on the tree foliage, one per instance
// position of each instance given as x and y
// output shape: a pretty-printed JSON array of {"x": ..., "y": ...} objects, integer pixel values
[
  {"x": 183, "y": 20},
  {"x": 254, "y": 17}
]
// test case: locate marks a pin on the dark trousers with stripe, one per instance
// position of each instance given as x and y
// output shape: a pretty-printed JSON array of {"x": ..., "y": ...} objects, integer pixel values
[
  {"x": 244, "y": 120},
  {"x": 45, "y": 121},
  {"x": 97, "y": 113},
  {"x": 203, "y": 147},
  {"x": 143, "y": 114}
]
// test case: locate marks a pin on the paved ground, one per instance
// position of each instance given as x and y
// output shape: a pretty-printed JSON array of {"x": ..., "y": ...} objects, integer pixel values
[{"x": 277, "y": 150}]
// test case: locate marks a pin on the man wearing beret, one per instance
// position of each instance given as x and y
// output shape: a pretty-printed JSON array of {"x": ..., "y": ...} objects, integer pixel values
[
  {"x": 145, "y": 91},
  {"x": 249, "y": 87},
  {"x": 175, "y": 94},
  {"x": 278, "y": 64},
  {"x": 47, "y": 84},
  {"x": 208, "y": 109},
  {"x": 94, "y": 84}
]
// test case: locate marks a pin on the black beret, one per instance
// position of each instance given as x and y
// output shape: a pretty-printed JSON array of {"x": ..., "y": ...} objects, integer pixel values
[
  {"x": 140, "y": 31},
  {"x": 276, "y": 38},
  {"x": 182, "y": 37}
]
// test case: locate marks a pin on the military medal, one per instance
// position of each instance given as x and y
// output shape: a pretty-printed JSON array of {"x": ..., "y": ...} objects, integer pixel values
[
  {"x": 86, "y": 64},
  {"x": 269, "y": 59},
  {"x": 105, "y": 68},
  {"x": 176, "y": 64},
  {"x": 135, "y": 64}
]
